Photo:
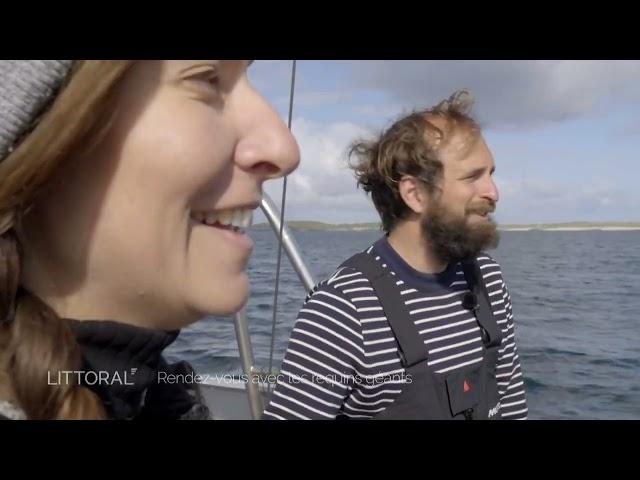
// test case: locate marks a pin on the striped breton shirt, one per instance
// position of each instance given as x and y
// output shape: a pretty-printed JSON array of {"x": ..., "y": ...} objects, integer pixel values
[{"x": 342, "y": 357}]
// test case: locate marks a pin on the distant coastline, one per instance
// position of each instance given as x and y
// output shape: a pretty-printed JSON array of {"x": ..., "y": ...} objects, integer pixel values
[{"x": 547, "y": 227}]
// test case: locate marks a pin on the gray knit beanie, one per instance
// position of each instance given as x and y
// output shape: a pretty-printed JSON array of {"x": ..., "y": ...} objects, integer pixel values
[{"x": 26, "y": 88}]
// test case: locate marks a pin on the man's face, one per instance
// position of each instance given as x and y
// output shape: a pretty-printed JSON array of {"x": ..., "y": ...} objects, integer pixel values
[{"x": 457, "y": 223}]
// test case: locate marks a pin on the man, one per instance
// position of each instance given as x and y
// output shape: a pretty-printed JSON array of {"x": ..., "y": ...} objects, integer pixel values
[{"x": 420, "y": 325}]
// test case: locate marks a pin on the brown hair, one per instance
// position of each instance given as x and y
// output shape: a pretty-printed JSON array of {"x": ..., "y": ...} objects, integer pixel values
[
  {"x": 410, "y": 146},
  {"x": 34, "y": 343}
]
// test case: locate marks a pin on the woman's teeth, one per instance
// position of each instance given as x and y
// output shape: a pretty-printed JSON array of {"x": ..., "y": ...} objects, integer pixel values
[{"x": 236, "y": 218}]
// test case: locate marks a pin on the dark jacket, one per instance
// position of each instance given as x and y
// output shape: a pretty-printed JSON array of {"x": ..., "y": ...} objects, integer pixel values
[{"x": 124, "y": 366}]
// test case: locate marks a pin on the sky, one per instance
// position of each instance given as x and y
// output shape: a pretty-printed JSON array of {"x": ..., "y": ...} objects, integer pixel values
[{"x": 565, "y": 135}]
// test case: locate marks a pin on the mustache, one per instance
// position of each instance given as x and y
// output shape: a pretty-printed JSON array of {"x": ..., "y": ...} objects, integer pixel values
[{"x": 482, "y": 208}]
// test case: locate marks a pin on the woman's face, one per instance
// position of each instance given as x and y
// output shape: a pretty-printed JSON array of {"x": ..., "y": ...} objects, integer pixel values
[{"x": 148, "y": 227}]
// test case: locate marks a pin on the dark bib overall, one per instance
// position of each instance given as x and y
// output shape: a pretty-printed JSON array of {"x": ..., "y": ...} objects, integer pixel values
[{"x": 467, "y": 393}]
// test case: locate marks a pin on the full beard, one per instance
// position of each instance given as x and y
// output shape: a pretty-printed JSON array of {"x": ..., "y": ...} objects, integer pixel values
[{"x": 452, "y": 238}]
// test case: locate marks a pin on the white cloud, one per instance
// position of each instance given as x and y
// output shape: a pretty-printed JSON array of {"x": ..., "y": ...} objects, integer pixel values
[
  {"x": 537, "y": 200},
  {"x": 323, "y": 185},
  {"x": 509, "y": 94},
  {"x": 324, "y": 188}
]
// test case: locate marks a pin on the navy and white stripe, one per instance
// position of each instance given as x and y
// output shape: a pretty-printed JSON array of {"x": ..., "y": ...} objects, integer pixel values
[{"x": 342, "y": 357}]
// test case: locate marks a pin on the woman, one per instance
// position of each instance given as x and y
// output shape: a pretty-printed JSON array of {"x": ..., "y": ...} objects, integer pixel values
[{"x": 125, "y": 190}]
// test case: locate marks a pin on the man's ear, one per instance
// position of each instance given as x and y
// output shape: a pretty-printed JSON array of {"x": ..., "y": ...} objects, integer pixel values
[{"x": 414, "y": 194}]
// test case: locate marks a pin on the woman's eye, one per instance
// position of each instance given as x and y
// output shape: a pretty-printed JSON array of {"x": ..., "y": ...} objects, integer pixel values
[
  {"x": 208, "y": 79},
  {"x": 212, "y": 79}
]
